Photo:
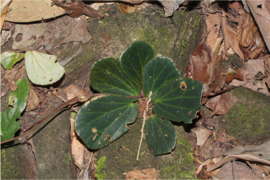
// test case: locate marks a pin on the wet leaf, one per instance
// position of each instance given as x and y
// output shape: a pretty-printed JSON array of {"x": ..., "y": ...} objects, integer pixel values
[
  {"x": 106, "y": 76},
  {"x": 19, "y": 97},
  {"x": 41, "y": 68},
  {"x": 9, "y": 125},
  {"x": 179, "y": 100},
  {"x": 8, "y": 59},
  {"x": 134, "y": 59},
  {"x": 157, "y": 73},
  {"x": 160, "y": 135},
  {"x": 103, "y": 119}
]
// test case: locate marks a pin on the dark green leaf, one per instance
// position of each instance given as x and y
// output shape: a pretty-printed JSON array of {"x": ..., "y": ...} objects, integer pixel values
[
  {"x": 8, "y": 59},
  {"x": 157, "y": 73},
  {"x": 9, "y": 125},
  {"x": 180, "y": 100},
  {"x": 106, "y": 76},
  {"x": 160, "y": 135},
  {"x": 102, "y": 120},
  {"x": 134, "y": 59},
  {"x": 20, "y": 96}
]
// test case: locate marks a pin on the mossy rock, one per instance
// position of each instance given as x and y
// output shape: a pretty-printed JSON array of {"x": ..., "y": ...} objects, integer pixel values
[
  {"x": 175, "y": 37},
  {"x": 121, "y": 156},
  {"x": 248, "y": 119}
]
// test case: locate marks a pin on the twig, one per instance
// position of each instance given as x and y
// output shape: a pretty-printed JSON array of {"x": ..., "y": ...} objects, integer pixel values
[
  {"x": 144, "y": 119},
  {"x": 219, "y": 92}
]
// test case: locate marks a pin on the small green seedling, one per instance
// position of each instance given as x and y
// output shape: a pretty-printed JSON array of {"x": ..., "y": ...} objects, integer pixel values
[{"x": 138, "y": 73}]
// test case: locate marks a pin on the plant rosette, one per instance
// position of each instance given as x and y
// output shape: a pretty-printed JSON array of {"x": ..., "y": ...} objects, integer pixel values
[{"x": 164, "y": 95}]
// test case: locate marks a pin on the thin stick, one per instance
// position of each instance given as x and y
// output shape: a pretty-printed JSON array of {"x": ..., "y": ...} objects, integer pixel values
[
  {"x": 144, "y": 119},
  {"x": 219, "y": 92}
]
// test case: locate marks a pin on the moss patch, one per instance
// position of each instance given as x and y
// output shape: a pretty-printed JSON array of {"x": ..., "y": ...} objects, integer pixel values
[
  {"x": 8, "y": 162},
  {"x": 165, "y": 35},
  {"x": 248, "y": 120}
]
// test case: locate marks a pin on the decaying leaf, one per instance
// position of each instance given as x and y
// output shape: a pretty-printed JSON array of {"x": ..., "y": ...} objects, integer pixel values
[
  {"x": 4, "y": 6},
  {"x": 221, "y": 104},
  {"x": 143, "y": 174},
  {"x": 170, "y": 6},
  {"x": 233, "y": 74},
  {"x": 73, "y": 91},
  {"x": 32, "y": 11},
  {"x": 27, "y": 34},
  {"x": 267, "y": 70},
  {"x": 213, "y": 23},
  {"x": 9, "y": 77},
  {"x": 125, "y": 8},
  {"x": 202, "y": 135},
  {"x": 33, "y": 101},
  {"x": 197, "y": 67}
]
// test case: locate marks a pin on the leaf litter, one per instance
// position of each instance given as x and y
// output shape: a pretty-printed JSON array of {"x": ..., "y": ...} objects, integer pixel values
[{"x": 230, "y": 31}]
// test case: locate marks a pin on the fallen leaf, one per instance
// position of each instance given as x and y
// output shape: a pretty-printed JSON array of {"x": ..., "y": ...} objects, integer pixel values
[
  {"x": 32, "y": 11},
  {"x": 202, "y": 135},
  {"x": 233, "y": 74},
  {"x": 126, "y": 8},
  {"x": 170, "y": 6},
  {"x": 236, "y": 170},
  {"x": 208, "y": 161},
  {"x": 267, "y": 70},
  {"x": 8, "y": 59},
  {"x": 73, "y": 91},
  {"x": 33, "y": 101},
  {"x": 213, "y": 23},
  {"x": 41, "y": 68},
  {"x": 5, "y": 35},
  {"x": 197, "y": 67},
  {"x": 25, "y": 35},
  {"x": 221, "y": 104},
  {"x": 143, "y": 174},
  {"x": 9, "y": 77},
  {"x": 4, "y": 7}
]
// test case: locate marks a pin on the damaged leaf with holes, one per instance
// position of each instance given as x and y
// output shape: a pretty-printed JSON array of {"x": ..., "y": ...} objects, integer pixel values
[{"x": 105, "y": 118}]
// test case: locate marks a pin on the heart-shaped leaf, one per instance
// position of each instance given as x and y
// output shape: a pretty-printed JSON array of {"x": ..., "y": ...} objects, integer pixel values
[
  {"x": 103, "y": 119},
  {"x": 179, "y": 100},
  {"x": 41, "y": 68},
  {"x": 160, "y": 135},
  {"x": 134, "y": 59},
  {"x": 106, "y": 76},
  {"x": 157, "y": 73},
  {"x": 9, "y": 125},
  {"x": 8, "y": 59},
  {"x": 19, "y": 97}
]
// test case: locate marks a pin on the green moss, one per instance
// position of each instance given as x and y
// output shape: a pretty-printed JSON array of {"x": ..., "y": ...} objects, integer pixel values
[
  {"x": 8, "y": 169},
  {"x": 248, "y": 118},
  {"x": 101, "y": 164}
]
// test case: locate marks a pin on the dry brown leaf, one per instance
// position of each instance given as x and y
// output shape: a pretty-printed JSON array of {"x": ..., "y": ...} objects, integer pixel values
[
  {"x": 202, "y": 135},
  {"x": 72, "y": 29},
  {"x": 125, "y": 8},
  {"x": 208, "y": 161},
  {"x": 213, "y": 23},
  {"x": 230, "y": 37},
  {"x": 9, "y": 77},
  {"x": 262, "y": 18},
  {"x": 267, "y": 70},
  {"x": 26, "y": 34},
  {"x": 4, "y": 7},
  {"x": 197, "y": 67},
  {"x": 5, "y": 35},
  {"x": 143, "y": 174},
  {"x": 233, "y": 74},
  {"x": 33, "y": 101},
  {"x": 36, "y": 10},
  {"x": 236, "y": 170},
  {"x": 221, "y": 104},
  {"x": 73, "y": 91}
]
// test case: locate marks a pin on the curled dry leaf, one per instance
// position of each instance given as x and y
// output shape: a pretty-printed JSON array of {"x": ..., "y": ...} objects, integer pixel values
[
  {"x": 202, "y": 135},
  {"x": 170, "y": 6},
  {"x": 221, "y": 104},
  {"x": 125, "y": 8},
  {"x": 73, "y": 91},
  {"x": 233, "y": 74},
  {"x": 33, "y": 101},
  {"x": 143, "y": 174}
]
